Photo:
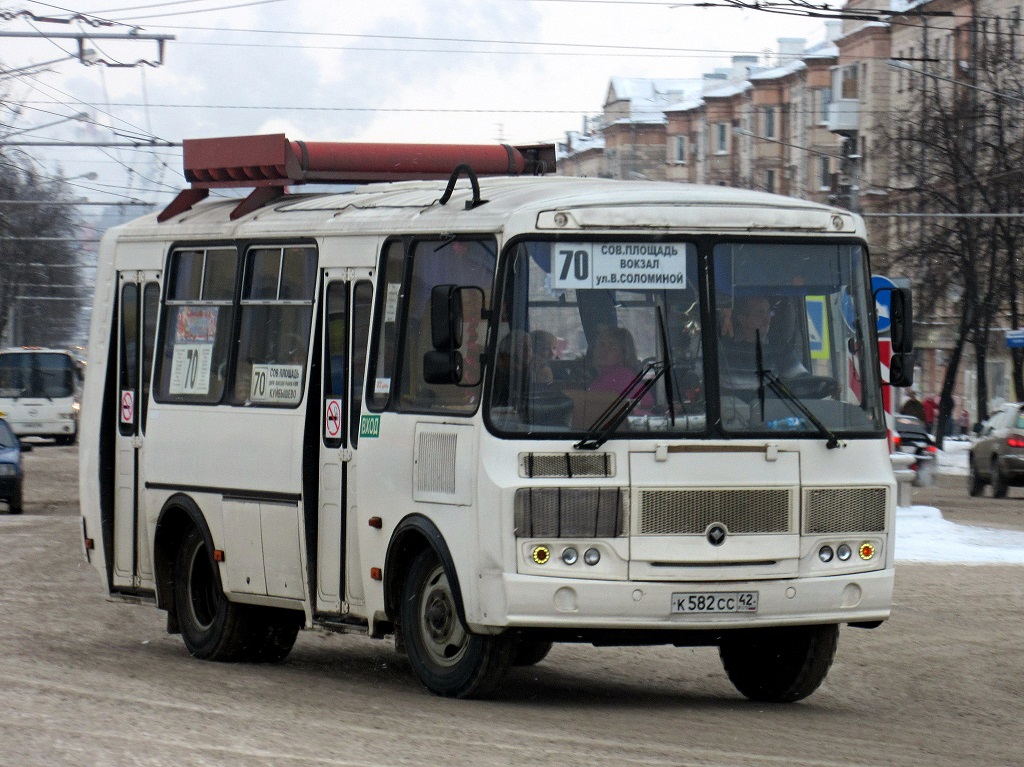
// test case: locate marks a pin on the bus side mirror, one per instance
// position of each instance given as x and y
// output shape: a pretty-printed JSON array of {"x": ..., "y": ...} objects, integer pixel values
[
  {"x": 901, "y": 370},
  {"x": 443, "y": 364},
  {"x": 901, "y": 318},
  {"x": 446, "y": 317}
]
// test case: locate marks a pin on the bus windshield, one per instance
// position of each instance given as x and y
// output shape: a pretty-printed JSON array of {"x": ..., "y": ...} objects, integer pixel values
[
  {"x": 49, "y": 375},
  {"x": 743, "y": 339}
]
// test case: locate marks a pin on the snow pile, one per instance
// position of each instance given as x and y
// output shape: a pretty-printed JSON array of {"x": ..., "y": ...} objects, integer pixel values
[
  {"x": 922, "y": 535},
  {"x": 953, "y": 458}
]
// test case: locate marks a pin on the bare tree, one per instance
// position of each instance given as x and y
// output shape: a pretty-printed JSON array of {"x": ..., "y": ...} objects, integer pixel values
[{"x": 958, "y": 154}]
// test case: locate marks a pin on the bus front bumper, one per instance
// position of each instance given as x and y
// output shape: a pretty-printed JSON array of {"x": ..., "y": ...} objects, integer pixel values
[{"x": 541, "y": 602}]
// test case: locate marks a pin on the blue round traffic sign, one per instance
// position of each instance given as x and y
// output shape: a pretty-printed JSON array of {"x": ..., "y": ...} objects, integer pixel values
[{"x": 883, "y": 300}]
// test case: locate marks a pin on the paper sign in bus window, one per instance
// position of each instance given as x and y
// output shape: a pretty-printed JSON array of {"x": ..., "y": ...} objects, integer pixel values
[
  {"x": 279, "y": 384},
  {"x": 637, "y": 265},
  {"x": 192, "y": 358}
]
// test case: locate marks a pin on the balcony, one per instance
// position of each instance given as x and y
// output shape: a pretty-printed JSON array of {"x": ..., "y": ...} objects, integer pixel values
[{"x": 844, "y": 116}]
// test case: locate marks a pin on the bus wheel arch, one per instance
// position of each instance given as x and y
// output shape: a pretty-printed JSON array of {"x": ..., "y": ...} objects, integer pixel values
[
  {"x": 178, "y": 515},
  {"x": 414, "y": 535}
]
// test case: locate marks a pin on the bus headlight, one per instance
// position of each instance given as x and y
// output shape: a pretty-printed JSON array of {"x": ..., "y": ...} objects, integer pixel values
[
  {"x": 825, "y": 553},
  {"x": 570, "y": 555}
]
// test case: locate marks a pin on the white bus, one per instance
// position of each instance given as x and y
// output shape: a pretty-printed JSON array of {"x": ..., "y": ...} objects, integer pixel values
[
  {"x": 486, "y": 417},
  {"x": 40, "y": 392}
]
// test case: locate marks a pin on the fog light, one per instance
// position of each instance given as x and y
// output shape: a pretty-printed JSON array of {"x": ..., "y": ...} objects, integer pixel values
[
  {"x": 592, "y": 556},
  {"x": 825, "y": 553},
  {"x": 867, "y": 551},
  {"x": 844, "y": 552},
  {"x": 570, "y": 555},
  {"x": 541, "y": 555}
]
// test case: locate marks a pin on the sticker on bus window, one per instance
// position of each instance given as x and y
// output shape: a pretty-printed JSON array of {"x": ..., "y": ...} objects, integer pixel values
[
  {"x": 639, "y": 265},
  {"x": 278, "y": 384},
  {"x": 391, "y": 302},
  {"x": 382, "y": 386}
]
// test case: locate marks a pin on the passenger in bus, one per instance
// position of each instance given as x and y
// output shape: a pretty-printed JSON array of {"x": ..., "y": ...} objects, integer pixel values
[
  {"x": 523, "y": 382},
  {"x": 543, "y": 346},
  {"x": 617, "y": 364}
]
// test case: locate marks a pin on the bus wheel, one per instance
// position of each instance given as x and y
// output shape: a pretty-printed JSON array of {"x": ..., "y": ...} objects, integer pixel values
[
  {"x": 448, "y": 659},
  {"x": 779, "y": 665},
  {"x": 999, "y": 485},
  {"x": 530, "y": 653},
  {"x": 212, "y": 627},
  {"x": 279, "y": 629}
]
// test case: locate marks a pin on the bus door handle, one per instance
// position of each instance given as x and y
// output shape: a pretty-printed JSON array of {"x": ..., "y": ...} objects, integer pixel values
[{"x": 345, "y": 454}]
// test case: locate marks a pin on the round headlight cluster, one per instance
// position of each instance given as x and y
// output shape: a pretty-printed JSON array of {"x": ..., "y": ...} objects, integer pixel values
[
  {"x": 844, "y": 552},
  {"x": 570, "y": 555}
]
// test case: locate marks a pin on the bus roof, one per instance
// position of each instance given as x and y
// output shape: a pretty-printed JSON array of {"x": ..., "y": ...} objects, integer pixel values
[{"x": 511, "y": 203}]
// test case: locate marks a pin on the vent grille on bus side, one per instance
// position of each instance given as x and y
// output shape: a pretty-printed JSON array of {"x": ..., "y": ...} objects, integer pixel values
[
  {"x": 570, "y": 512},
  {"x": 566, "y": 465},
  {"x": 844, "y": 510},
  {"x": 435, "y": 462},
  {"x": 689, "y": 512}
]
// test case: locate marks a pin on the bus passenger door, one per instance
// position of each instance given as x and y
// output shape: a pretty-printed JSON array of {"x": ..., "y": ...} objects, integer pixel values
[
  {"x": 347, "y": 302},
  {"x": 139, "y": 299}
]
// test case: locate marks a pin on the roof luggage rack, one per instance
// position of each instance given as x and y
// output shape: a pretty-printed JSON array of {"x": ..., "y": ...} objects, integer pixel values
[{"x": 270, "y": 163}]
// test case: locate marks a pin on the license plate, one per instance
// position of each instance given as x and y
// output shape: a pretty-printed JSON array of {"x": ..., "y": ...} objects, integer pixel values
[{"x": 715, "y": 602}]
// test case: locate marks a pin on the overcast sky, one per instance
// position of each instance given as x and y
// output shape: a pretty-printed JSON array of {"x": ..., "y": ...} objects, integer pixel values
[{"x": 392, "y": 70}]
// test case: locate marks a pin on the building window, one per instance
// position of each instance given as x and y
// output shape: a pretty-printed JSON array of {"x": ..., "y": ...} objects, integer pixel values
[
  {"x": 769, "y": 180},
  {"x": 721, "y": 138},
  {"x": 823, "y": 100},
  {"x": 824, "y": 172},
  {"x": 848, "y": 85},
  {"x": 768, "y": 122},
  {"x": 680, "y": 150}
]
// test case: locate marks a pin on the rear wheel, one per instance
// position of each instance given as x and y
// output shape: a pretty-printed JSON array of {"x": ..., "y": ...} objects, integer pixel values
[
  {"x": 444, "y": 655},
  {"x": 779, "y": 665},
  {"x": 211, "y": 627},
  {"x": 14, "y": 503},
  {"x": 975, "y": 484},
  {"x": 999, "y": 486}
]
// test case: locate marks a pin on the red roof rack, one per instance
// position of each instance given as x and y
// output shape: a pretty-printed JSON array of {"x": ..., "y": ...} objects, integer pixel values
[{"x": 269, "y": 163}]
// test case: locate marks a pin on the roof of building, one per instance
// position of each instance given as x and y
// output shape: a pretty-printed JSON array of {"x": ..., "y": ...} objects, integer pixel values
[{"x": 649, "y": 97}]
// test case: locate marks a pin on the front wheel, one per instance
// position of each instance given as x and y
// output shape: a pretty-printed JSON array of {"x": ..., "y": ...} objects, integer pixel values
[
  {"x": 779, "y": 665},
  {"x": 444, "y": 655}
]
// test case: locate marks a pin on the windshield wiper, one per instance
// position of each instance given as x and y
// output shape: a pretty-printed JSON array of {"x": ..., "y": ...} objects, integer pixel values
[
  {"x": 624, "y": 403},
  {"x": 776, "y": 385}
]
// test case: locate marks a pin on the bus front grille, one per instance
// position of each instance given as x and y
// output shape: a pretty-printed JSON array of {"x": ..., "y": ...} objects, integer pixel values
[
  {"x": 844, "y": 510},
  {"x": 690, "y": 512}
]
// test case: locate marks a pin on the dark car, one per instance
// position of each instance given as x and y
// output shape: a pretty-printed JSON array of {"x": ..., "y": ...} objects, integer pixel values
[
  {"x": 912, "y": 437},
  {"x": 997, "y": 455},
  {"x": 10, "y": 468}
]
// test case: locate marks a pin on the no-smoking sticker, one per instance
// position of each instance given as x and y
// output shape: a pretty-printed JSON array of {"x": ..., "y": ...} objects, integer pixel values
[
  {"x": 332, "y": 419},
  {"x": 128, "y": 406}
]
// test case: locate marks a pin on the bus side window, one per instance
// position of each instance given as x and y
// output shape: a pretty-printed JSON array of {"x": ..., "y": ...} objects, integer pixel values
[
  {"x": 277, "y": 308},
  {"x": 197, "y": 322},
  {"x": 385, "y": 357},
  {"x": 362, "y": 301}
]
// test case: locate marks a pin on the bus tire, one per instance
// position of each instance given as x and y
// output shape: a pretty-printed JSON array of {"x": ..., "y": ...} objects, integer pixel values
[
  {"x": 779, "y": 665},
  {"x": 66, "y": 439},
  {"x": 14, "y": 504},
  {"x": 279, "y": 629},
  {"x": 211, "y": 627},
  {"x": 444, "y": 655},
  {"x": 530, "y": 653}
]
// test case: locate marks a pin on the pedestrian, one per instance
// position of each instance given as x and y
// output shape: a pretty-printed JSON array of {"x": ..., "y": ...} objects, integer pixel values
[
  {"x": 913, "y": 406},
  {"x": 931, "y": 411}
]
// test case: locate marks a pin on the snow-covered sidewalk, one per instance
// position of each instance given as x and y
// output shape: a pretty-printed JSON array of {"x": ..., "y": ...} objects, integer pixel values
[{"x": 922, "y": 535}]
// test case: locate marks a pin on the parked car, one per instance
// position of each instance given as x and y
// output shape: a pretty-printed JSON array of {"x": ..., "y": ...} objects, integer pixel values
[
  {"x": 997, "y": 455},
  {"x": 10, "y": 467},
  {"x": 912, "y": 437}
]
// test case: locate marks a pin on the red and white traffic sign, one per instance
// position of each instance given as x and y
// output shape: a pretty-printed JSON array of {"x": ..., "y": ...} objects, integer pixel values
[
  {"x": 332, "y": 419},
  {"x": 128, "y": 406}
]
